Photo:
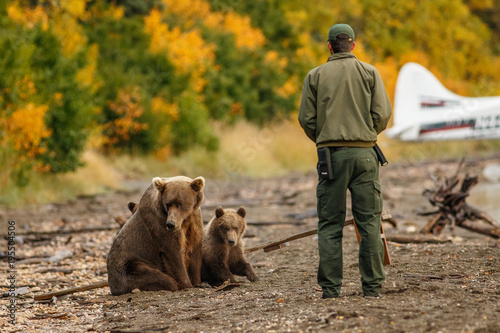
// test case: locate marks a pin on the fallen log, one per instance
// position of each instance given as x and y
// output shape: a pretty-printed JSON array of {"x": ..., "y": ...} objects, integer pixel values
[{"x": 485, "y": 230}]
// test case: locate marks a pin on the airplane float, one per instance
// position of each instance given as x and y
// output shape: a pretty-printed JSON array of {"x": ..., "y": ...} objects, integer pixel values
[{"x": 425, "y": 110}]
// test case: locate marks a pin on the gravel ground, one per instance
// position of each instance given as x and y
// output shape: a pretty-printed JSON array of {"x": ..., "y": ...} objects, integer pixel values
[{"x": 449, "y": 287}]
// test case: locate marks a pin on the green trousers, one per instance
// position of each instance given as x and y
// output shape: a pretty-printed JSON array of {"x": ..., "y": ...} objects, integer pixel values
[{"x": 355, "y": 169}]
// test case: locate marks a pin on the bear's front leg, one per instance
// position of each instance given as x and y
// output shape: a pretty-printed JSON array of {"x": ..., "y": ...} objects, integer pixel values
[
  {"x": 174, "y": 266},
  {"x": 250, "y": 273},
  {"x": 220, "y": 273},
  {"x": 244, "y": 269},
  {"x": 194, "y": 268},
  {"x": 239, "y": 266}
]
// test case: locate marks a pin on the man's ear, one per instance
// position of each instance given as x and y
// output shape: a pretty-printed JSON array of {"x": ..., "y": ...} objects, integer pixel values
[
  {"x": 353, "y": 45},
  {"x": 330, "y": 47}
]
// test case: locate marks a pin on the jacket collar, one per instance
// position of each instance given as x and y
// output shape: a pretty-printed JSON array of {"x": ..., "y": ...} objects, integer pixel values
[{"x": 342, "y": 55}]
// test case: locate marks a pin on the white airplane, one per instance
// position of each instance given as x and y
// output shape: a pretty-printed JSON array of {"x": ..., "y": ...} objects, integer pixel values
[{"x": 425, "y": 110}]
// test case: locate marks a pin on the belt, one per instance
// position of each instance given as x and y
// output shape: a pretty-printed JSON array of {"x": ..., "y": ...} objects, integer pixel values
[{"x": 338, "y": 148}]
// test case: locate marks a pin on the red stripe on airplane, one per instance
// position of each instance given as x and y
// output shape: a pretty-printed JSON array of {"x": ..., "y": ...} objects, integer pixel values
[{"x": 444, "y": 128}]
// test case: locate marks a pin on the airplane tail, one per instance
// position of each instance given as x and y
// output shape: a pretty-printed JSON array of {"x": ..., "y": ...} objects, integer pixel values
[{"x": 417, "y": 92}]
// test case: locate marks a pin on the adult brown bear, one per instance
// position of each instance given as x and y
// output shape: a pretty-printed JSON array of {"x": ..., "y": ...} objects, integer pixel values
[{"x": 159, "y": 248}]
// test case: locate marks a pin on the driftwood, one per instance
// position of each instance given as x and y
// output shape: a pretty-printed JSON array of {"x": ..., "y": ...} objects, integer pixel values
[
  {"x": 264, "y": 223},
  {"x": 314, "y": 213},
  {"x": 59, "y": 256},
  {"x": 403, "y": 239},
  {"x": 439, "y": 277},
  {"x": 55, "y": 269},
  {"x": 452, "y": 208},
  {"x": 50, "y": 315},
  {"x": 91, "y": 286},
  {"x": 271, "y": 246},
  {"x": 67, "y": 232}
]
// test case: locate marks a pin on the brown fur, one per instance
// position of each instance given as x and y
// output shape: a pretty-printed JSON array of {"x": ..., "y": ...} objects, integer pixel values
[
  {"x": 223, "y": 248},
  {"x": 159, "y": 248}
]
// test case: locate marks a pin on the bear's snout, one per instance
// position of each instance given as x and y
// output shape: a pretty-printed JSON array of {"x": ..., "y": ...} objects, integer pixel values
[
  {"x": 170, "y": 225},
  {"x": 231, "y": 242}
]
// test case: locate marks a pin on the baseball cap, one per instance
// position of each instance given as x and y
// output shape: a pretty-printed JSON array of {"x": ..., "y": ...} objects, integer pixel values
[{"x": 340, "y": 28}]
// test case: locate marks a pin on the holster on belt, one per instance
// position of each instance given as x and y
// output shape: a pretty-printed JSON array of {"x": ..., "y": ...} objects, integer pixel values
[{"x": 325, "y": 168}]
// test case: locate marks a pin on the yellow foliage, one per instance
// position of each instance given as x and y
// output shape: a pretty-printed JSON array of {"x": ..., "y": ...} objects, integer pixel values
[
  {"x": 213, "y": 20},
  {"x": 360, "y": 52},
  {"x": 26, "y": 87},
  {"x": 163, "y": 153},
  {"x": 28, "y": 17},
  {"x": 306, "y": 52},
  {"x": 184, "y": 45},
  {"x": 86, "y": 75},
  {"x": 115, "y": 11},
  {"x": 75, "y": 8},
  {"x": 481, "y": 4},
  {"x": 186, "y": 50},
  {"x": 128, "y": 108},
  {"x": 290, "y": 87},
  {"x": 388, "y": 71},
  {"x": 156, "y": 30},
  {"x": 160, "y": 106},
  {"x": 415, "y": 56},
  {"x": 297, "y": 18},
  {"x": 25, "y": 129},
  {"x": 273, "y": 57},
  {"x": 64, "y": 18},
  {"x": 69, "y": 32},
  {"x": 245, "y": 34},
  {"x": 187, "y": 10},
  {"x": 58, "y": 98}
]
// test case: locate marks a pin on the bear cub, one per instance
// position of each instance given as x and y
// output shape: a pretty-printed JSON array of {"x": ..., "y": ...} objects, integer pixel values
[{"x": 223, "y": 249}]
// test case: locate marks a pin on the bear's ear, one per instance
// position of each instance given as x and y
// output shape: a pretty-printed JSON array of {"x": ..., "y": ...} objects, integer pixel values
[
  {"x": 242, "y": 212},
  {"x": 198, "y": 183},
  {"x": 132, "y": 206},
  {"x": 159, "y": 184},
  {"x": 219, "y": 212}
]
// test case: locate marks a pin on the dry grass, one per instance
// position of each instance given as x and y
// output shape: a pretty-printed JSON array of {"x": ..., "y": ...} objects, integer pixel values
[
  {"x": 409, "y": 152},
  {"x": 245, "y": 149},
  {"x": 96, "y": 176}
]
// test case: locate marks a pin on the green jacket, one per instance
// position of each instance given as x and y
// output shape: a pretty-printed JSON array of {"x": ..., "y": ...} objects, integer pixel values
[{"x": 344, "y": 103}]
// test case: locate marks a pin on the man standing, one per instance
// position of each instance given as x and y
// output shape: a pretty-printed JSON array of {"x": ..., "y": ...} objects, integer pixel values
[{"x": 344, "y": 107}]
